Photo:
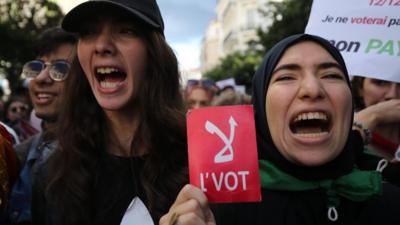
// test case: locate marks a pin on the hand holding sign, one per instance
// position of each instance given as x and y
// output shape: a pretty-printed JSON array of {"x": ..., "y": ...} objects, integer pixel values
[
  {"x": 190, "y": 207},
  {"x": 222, "y": 153}
]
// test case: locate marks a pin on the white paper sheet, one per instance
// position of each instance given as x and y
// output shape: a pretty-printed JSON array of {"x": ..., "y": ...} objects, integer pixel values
[{"x": 137, "y": 213}]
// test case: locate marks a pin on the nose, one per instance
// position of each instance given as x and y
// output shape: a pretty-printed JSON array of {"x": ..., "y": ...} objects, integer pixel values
[
  {"x": 393, "y": 91},
  {"x": 104, "y": 43},
  {"x": 43, "y": 76},
  {"x": 311, "y": 88}
]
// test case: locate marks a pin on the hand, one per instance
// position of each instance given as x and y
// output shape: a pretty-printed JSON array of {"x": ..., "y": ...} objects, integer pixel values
[
  {"x": 382, "y": 113},
  {"x": 190, "y": 207}
]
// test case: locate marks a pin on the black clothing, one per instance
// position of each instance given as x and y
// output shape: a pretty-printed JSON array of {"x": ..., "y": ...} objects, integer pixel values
[
  {"x": 390, "y": 174},
  {"x": 116, "y": 184},
  {"x": 309, "y": 208}
]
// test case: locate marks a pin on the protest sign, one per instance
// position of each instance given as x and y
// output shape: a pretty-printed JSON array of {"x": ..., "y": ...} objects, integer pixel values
[
  {"x": 223, "y": 153},
  {"x": 365, "y": 31},
  {"x": 227, "y": 82}
]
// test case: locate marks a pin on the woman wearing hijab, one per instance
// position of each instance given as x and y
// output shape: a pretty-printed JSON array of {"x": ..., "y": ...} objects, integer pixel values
[
  {"x": 122, "y": 141},
  {"x": 307, "y": 150}
]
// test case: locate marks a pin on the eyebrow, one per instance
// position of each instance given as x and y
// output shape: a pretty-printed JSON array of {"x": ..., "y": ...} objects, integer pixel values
[
  {"x": 328, "y": 65},
  {"x": 287, "y": 67},
  {"x": 293, "y": 66}
]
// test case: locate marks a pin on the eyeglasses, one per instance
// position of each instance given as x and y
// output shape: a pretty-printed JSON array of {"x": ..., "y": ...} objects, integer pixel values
[
  {"x": 202, "y": 83},
  {"x": 58, "y": 69},
  {"x": 21, "y": 108}
]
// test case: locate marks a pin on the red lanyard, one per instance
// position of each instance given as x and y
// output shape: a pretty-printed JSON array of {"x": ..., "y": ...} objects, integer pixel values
[{"x": 386, "y": 145}]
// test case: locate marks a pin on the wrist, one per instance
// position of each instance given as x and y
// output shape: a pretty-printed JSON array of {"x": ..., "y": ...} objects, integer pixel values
[
  {"x": 364, "y": 131},
  {"x": 367, "y": 118}
]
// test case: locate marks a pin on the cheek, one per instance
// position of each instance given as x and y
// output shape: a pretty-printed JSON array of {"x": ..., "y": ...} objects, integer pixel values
[
  {"x": 60, "y": 89},
  {"x": 342, "y": 99},
  {"x": 342, "y": 103},
  {"x": 137, "y": 59},
  {"x": 276, "y": 106},
  {"x": 83, "y": 57},
  {"x": 372, "y": 95}
]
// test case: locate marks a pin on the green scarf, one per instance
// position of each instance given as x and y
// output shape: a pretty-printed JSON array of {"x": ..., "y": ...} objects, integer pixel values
[{"x": 356, "y": 186}]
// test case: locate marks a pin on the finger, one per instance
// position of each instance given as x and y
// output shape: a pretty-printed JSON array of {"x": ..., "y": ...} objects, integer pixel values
[
  {"x": 190, "y": 206},
  {"x": 191, "y": 192},
  {"x": 167, "y": 218},
  {"x": 189, "y": 219},
  {"x": 210, "y": 220}
]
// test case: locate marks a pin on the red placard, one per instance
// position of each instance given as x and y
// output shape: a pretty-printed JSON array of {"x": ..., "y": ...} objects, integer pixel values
[{"x": 223, "y": 153}]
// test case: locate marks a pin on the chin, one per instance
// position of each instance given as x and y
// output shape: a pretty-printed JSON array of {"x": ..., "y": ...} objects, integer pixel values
[
  {"x": 111, "y": 103},
  {"x": 313, "y": 160},
  {"x": 112, "y": 106}
]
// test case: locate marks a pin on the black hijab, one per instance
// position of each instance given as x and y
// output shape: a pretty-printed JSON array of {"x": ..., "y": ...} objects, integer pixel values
[{"x": 343, "y": 163}]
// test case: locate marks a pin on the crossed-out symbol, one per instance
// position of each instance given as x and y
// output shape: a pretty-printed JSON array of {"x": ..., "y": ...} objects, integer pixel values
[{"x": 221, "y": 156}]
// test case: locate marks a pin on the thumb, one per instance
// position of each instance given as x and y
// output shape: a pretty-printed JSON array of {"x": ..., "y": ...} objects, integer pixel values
[{"x": 209, "y": 217}]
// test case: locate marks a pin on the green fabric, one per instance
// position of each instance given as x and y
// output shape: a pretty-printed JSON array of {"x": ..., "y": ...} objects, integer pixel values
[{"x": 356, "y": 186}]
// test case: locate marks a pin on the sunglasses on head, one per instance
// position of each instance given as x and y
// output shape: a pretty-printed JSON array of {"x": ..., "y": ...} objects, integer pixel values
[
  {"x": 202, "y": 83},
  {"x": 22, "y": 108},
  {"x": 58, "y": 69}
]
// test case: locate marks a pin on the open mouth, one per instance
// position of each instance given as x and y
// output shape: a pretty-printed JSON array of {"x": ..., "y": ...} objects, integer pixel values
[
  {"x": 109, "y": 77},
  {"x": 310, "y": 124}
]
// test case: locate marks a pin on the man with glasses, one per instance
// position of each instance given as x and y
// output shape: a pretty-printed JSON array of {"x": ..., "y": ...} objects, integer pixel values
[{"x": 46, "y": 76}]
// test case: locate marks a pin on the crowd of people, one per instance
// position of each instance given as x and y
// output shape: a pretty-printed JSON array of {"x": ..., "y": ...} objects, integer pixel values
[{"x": 110, "y": 146}]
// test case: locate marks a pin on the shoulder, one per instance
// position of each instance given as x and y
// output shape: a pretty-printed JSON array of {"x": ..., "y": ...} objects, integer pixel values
[{"x": 22, "y": 148}]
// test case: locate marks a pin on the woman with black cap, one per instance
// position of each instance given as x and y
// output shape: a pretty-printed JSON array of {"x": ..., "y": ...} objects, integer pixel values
[
  {"x": 122, "y": 140},
  {"x": 307, "y": 149}
]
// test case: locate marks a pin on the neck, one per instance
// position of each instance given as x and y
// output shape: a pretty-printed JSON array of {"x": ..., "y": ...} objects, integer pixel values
[{"x": 123, "y": 127}]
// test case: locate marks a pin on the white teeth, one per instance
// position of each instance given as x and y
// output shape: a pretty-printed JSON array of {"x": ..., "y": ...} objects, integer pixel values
[
  {"x": 42, "y": 95},
  {"x": 311, "y": 135},
  {"x": 105, "y": 84},
  {"x": 106, "y": 70},
  {"x": 310, "y": 116}
]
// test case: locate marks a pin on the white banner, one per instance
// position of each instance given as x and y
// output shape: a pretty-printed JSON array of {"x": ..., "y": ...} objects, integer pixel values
[{"x": 367, "y": 33}]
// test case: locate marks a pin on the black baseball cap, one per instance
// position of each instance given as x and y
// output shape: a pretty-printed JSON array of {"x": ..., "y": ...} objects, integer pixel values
[{"x": 145, "y": 10}]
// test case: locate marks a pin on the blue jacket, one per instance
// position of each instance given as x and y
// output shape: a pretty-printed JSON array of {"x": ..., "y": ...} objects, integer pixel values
[{"x": 21, "y": 194}]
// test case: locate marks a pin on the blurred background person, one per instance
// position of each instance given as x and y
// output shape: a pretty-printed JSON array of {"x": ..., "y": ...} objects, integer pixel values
[
  {"x": 378, "y": 105},
  {"x": 199, "y": 93},
  {"x": 17, "y": 112},
  {"x": 229, "y": 96},
  {"x": 16, "y": 108}
]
